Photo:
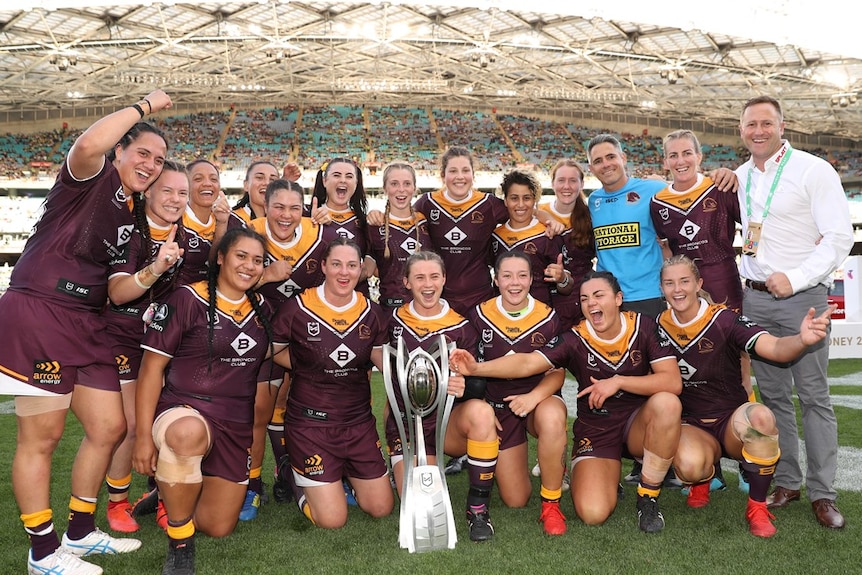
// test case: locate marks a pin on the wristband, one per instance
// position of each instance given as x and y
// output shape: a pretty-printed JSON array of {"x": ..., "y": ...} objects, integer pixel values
[
  {"x": 149, "y": 105},
  {"x": 565, "y": 282},
  {"x": 139, "y": 109}
]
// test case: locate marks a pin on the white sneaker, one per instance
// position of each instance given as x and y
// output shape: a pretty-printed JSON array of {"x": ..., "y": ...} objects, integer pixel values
[
  {"x": 61, "y": 562},
  {"x": 97, "y": 542}
]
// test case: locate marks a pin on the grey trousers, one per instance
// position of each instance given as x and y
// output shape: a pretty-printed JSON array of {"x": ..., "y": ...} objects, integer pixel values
[{"x": 808, "y": 374}]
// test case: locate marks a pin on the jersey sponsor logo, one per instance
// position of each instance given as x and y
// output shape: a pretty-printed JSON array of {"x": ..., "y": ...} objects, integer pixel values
[
  {"x": 632, "y": 198},
  {"x": 289, "y": 288},
  {"x": 434, "y": 215},
  {"x": 410, "y": 245},
  {"x": 623, "y": 235},
  {"x": 120, "y": 195},
  {"x": 487, "y": 336},
  {"x": 745, "y": 321},
  {"x": 161, "y": 315},
  {"x": 689, "y": 229},
  {"x": 313, "y": 328},
  {"x": 313, "y": 465},
  {"x": 342, "y": 355},
  {"x": 72, "y": 288},
  {"x": 664, "y": 213},
  {"x": 194, "y": 242},
  {"x": 591, "y": 360},
  {"x": 242, "y": 344},
  {"x": 47, "y": 372},
  {"x": 317, "y": 414},
  {"x": 124, "y": 234},
  {"x": 161, "y": 312},
  {"x": 686, "y": 370},
  {"x": 345, "y": 233},
  {"x": 455, "y": 236}
]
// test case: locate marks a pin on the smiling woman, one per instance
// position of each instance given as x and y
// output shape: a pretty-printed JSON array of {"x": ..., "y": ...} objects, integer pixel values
[{"x": 52, "y": 315}]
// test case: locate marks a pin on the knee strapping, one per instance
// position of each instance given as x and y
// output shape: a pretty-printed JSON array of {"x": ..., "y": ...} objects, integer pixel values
[
  {"x": 173, "y": 468},
  {"x": 759, "y": 446}
]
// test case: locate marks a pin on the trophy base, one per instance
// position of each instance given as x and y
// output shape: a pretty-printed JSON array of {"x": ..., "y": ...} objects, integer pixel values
[{"x": 431, "y": 522}]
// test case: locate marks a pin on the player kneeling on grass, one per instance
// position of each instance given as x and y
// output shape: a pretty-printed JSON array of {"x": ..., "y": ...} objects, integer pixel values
[
  {"x": 471, "y": 430},
  {"x": 627, "y": 399},
  {"x": 195, "y": 433},
  {"x": 717, "y": 416},
  {"x": 510, "y": 323},
  {"x": 333, "y": 334}
]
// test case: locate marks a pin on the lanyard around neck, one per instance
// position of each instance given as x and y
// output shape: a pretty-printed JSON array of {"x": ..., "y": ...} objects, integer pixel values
[{"x": 772, "y": 188}]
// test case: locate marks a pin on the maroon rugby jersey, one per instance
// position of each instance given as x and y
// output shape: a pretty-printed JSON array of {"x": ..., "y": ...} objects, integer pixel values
[
  {"x": 406, "y": 236},
  {"x": 198, "y": 243},
  {"x": 221, "y": 385},
  {"x": 85, "y": 225},
  {"x": 582, "y": 352},
  {"x": 502, "y": 334},
  {"x": 461, "y": 233},
  {"x": 708, "y": 350},
  {"x": 541, "y": 250},
  {"x": 700, "y": 223},
  {"x": 330, "y": 353},
  {"x": 304, "y": 253},
  {"x": 420, "y": 331},
  {"x": 125, "y": 320}
]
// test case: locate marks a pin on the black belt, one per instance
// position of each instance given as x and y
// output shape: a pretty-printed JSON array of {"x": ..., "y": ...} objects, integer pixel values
[{"x": 757, "y": 286}]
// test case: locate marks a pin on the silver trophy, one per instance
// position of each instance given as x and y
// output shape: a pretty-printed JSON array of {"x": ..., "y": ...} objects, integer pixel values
[{"x": 426, "y": 521}]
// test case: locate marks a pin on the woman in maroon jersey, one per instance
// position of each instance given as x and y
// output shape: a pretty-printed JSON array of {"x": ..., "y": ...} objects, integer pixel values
[
  {"x": 718, "y": 420},
  {"x": 194, "y": 431},
  {"x": 156, "y": 251},
  {"x": 628, "y": 384},
  {"x": 404, "y": 232},
  {"x": 339, "y": 189},
  {"x": 569, "y": 207},
  {"x": 471, "y": 429},
  {"x": 55, "y": 336},
  {"x": 333, "y": 334}
]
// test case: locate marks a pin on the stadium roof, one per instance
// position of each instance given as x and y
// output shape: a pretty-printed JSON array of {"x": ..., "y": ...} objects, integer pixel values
[{"x": 652, "y": 60}]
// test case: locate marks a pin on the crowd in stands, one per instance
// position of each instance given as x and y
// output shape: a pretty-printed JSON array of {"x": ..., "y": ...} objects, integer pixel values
[{"x": 375, "y": 135}]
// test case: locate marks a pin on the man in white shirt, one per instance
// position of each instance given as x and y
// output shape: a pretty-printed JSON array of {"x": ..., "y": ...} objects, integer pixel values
[{"x": 796, "y": 231}]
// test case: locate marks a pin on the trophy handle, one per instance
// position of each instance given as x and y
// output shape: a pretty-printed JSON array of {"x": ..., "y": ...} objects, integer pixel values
[
  {"x": 405, "y": 534},
  {"x": 445, "y": 401}
]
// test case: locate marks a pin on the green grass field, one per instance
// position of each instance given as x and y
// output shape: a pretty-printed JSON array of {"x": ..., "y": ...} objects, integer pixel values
[{"x": 714, "y": 539}]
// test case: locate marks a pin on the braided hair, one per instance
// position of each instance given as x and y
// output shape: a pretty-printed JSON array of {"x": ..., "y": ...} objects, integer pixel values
[
  {"x": 230, "y": 238},
  {"x": 386, "y": 173},
  {"x": 358, "y": 202}
]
